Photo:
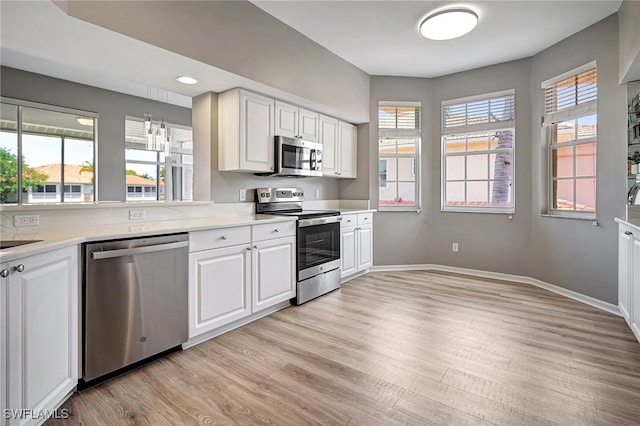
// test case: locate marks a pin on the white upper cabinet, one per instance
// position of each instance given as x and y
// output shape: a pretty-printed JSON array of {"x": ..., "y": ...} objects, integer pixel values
[
  {"x": 245, "y": 132},
  {"x": 329, "y": 140},
  {"x": 339, "y": 148},
  {"x": 295, "y": 122},
  {"x": 348, "y": 142}
]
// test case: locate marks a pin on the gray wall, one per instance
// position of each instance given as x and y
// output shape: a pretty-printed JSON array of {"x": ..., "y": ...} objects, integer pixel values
[
  {"x": 629, "y": 39},
  {"x": 569, "y": 253},
  {"x": 238, "y": 37},
  {"x": 112, "y": 107}
]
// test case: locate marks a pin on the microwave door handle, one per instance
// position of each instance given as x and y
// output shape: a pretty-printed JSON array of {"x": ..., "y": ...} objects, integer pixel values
[{"x": 312, "y": 159}]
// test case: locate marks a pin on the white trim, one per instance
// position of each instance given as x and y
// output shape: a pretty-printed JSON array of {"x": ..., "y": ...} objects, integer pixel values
[
  {"x": 483, "y": 96},
  {"x": 588, "y": 300},
  {"x": 47, "y": 107},
  {"x": 550, "y": 82}
]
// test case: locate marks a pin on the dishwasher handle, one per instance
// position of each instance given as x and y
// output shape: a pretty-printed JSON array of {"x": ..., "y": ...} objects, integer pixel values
[{"x": 109, "y": 254}]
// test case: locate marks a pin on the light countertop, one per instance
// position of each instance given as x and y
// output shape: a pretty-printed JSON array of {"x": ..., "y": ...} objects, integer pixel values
[
  {"x": 62, "y": 237},
  {"x": 632, "y": 222}
]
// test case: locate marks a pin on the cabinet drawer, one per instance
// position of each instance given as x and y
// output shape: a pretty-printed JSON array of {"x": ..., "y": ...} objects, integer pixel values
[
  {"x": 365, "y": 218},
  {"x": 217, "y": 238},
  {"x": 268, "y": 231},
  {"x": 349, "y": 220}
]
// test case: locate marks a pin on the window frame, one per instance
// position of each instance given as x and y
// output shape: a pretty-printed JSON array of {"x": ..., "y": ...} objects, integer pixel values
[
  {"x": 402, "y": 133},
  {"x": 478, "y": 129},
  {"x": 549, "y": 119},
  {"x": 158, "y": 163},
  {"x": 22, "y": 195}
]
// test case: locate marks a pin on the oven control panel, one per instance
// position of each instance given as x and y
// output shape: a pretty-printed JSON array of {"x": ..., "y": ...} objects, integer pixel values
[{"x": 270, "y": 195}]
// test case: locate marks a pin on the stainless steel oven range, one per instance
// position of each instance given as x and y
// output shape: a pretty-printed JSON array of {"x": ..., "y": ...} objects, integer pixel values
[{"x": 318, "y": 240}]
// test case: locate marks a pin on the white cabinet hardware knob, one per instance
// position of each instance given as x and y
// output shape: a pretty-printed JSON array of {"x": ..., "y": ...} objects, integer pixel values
[
  {"x": 4, "y": 273},
  {"x": 276, "y": 230},
  {"x": 19, "y": 268},
  {"x": 223, "y": 238}
]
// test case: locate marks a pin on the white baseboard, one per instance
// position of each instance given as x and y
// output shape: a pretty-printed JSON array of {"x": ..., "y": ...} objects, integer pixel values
[{"x": 596, "y": 303}]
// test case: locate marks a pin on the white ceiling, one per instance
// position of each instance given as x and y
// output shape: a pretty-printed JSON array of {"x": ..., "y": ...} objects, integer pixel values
[{"x": 380, "y": 37}]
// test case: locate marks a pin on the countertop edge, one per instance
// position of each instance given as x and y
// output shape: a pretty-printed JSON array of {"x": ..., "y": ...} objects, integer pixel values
[
  {"x": 633, "y": 223},
  {"x": 53, "y": 239}
]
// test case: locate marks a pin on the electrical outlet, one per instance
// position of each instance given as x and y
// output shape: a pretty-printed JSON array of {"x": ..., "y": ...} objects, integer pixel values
[
  {"x": 26, "y": 220},
  {"x": 137, "y": 214},
  {"x": 243, "y": 195},
  {"x": 454, "y": 247},
  {"x": 317, "y": 193}
]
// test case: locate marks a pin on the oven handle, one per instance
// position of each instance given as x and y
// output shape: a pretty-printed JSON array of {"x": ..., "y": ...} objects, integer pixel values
[{"x": 318, "y": 221}]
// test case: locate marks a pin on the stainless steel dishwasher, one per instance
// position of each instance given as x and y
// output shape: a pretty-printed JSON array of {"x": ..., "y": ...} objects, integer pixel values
[{"x": 135, "y": 301}]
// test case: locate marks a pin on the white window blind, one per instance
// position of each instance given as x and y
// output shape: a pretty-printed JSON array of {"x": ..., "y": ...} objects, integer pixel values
[
  {"x": 478, "y": 139},
  {"x": 571, "y": 97}
]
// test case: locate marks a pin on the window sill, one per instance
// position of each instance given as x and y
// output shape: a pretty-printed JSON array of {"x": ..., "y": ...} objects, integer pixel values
[{"x": 587, "y": 217}]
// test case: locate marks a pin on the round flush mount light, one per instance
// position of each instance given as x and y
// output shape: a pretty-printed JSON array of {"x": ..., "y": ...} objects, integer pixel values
[
  {"x": 85, "y": 121},
  {"x": 448, "y": 24},
  {"x": 185, "y": 79}
]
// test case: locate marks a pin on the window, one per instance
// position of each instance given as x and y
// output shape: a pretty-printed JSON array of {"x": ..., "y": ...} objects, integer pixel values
[
  {"x": 571, "y": 128},
  {"x": 158, "y": 170},
  {"x": 45, "y": 148},
  {"x": 399, "y": 156},
  {"x": 478, "y": 140}
]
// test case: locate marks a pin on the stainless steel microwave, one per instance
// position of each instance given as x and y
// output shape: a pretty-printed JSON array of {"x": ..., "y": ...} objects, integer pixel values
[{"x": 297, "y": 157}]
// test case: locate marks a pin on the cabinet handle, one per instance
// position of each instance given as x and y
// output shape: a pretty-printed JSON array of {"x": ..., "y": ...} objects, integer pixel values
[
  {"x": 223, "y": 238},
  {"x": 255, "y": 247},
  {"x": 628, "y": 233},
  {"x": 248, "y": 248},
  {"x": 366, "y": 218},
  {"x": 4, "y": 273},
  {"x": 348, "y": 220},
  {"x": 276, "y": 230},
  {"x": 19, "y": 268}
]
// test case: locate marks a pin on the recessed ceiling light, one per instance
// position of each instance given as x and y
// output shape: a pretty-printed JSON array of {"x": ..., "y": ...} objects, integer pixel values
[
  {"x": 448, "y": 24},
  {"x": 185, "y": 79}
]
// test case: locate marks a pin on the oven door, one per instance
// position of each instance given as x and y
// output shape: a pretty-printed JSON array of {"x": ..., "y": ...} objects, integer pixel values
[
  {"x": 318, "y": 246},
  {"x": 297, "y": 157}
]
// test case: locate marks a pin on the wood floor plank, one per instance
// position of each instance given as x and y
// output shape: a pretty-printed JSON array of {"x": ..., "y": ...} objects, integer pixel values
[{"x": 393, "y": 348}]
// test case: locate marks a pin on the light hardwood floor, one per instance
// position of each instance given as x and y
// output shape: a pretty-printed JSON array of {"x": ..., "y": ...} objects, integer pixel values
[{"x": 401, "y": 348}]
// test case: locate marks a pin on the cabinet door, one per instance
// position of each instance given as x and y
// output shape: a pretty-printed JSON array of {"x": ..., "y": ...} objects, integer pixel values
[
  {"x": 43, "y": 330},
  {"x": 365, "y": 247},
  {"x": 274, "y": 264},
  {"x": 348, "y": 150},
  {"x": 219, "y": 285},
  {"x": 308, "y": 125},
  {"x": 329, "y": 139},
  {"x": 348, "y": 246},
  {"x": 624, "y": 277},
  {"x": 286, "y": 120},
  {"x": 635, "y": 286},
  {"x": 256, "y": 132}
]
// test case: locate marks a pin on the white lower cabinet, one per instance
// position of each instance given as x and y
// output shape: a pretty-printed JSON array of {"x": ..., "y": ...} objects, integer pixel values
[
  {"x": 629, "y": 276},
  {"x": 356, "y": 243},
  {"x": 274, "y": 280},
  {"x": 239, "y": 271},
  {"x": 39, "y": 304},
  {"x": 218, "y": 282}
]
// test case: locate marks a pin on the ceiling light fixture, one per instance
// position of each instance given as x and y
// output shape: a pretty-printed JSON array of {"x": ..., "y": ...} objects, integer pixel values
[
  {"x": 185, "y": 79},
  {"x": 448, "y": 24},
  {"x": 85, "y": 121}
]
